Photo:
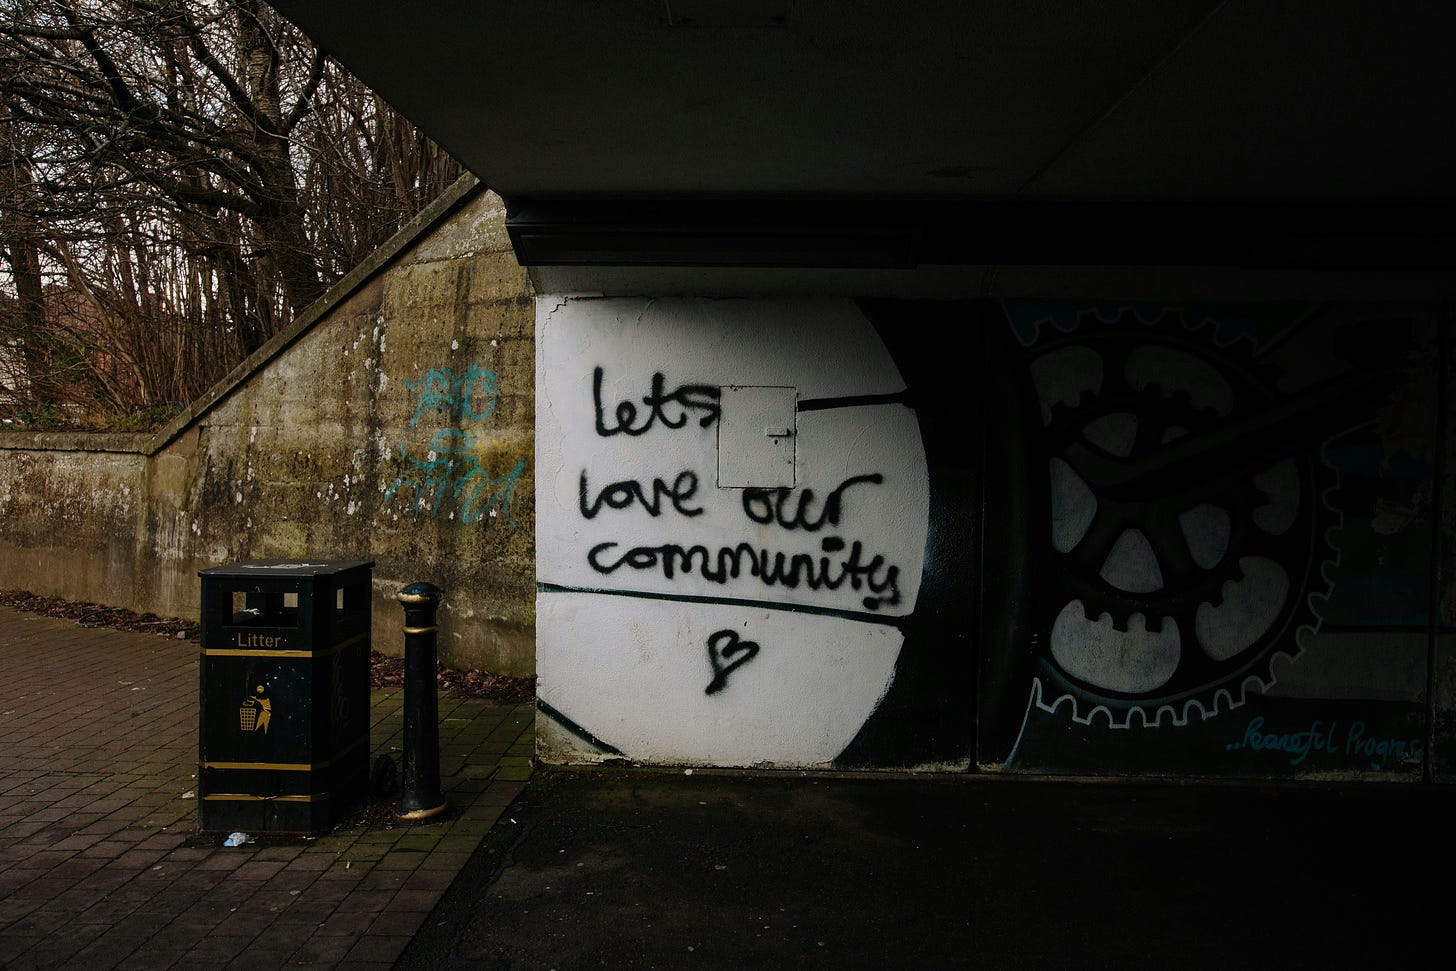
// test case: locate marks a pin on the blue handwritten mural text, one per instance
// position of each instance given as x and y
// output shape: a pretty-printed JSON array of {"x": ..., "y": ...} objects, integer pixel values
[
  {"x": 1298, "y": 744},
  {"x": 1319, "y": 740},
  {"x": 1379, "y": 750}
]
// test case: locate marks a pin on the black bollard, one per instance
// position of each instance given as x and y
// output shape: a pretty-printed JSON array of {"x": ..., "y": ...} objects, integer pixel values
[{"x": 420, "y": 796}]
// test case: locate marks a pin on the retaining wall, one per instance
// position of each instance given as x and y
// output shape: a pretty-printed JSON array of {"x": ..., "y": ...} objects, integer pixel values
[{"x": 393, "y": 422}]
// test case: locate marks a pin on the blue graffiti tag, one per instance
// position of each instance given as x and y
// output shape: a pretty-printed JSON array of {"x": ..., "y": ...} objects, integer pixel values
[
  {"x": 450, "y": 470},
  {"x": 456, "y": 473},
  {"x": 441, "y": 390}
]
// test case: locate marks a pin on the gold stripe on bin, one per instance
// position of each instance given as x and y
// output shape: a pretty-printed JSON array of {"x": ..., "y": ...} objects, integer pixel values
[
  {"x": 296, "y": 652},
  {"x": 288, "y": 766},
  {"x": 244, "y": 797}
]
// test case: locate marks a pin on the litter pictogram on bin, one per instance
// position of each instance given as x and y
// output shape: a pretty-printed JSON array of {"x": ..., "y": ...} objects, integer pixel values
[{"x": 255, "y": 713}]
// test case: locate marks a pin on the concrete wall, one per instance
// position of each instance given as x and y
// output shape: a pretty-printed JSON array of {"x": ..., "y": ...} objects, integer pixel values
[
  {"x": 1016, "y": 536},
  {"x": 394, "y": 422}
]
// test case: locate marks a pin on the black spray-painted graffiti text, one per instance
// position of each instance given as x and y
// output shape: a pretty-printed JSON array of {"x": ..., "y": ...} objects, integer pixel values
[
  {"x": 620, "y": 495},
  {"x": 726, "y": 653},
  {"x": 771, "y": 505},
  {"x": 771, "y": 568},
  {"x": 670, "y": 408}
]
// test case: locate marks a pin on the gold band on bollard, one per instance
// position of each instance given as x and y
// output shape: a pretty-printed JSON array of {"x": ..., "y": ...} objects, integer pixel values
[
  {"x": 415, "y": 815},
  {"x": 420, "y": 630}
]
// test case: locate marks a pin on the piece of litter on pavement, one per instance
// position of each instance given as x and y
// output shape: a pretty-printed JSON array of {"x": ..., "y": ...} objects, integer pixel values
[
  {"x": 189, "y": 794},
  {"x": 238, "y": 839}
]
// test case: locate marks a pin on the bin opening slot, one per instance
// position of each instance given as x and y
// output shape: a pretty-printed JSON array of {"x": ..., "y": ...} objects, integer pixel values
[{"x": 264, "y": 608}]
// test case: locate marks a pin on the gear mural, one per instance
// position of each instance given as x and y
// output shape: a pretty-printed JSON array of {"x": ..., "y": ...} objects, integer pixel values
[{"x": 1187, "y": 522}]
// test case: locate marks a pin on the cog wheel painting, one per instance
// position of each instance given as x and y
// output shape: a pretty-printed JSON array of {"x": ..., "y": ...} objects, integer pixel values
[{"x": 1188, "y": 521}]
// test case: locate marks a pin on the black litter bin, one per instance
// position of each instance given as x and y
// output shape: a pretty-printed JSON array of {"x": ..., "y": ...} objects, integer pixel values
[{"x": 284, "y": 708}]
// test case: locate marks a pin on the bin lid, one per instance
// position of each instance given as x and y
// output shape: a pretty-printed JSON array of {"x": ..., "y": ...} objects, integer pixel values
[{"x": 285, "y": 568}]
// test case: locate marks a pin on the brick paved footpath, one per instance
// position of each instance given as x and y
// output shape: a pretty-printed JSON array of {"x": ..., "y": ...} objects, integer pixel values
[{"x": 101, "y": 863}]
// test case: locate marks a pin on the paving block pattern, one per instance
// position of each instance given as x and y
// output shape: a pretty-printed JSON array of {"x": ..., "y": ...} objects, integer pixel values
[{"x": 101, "y": 863}]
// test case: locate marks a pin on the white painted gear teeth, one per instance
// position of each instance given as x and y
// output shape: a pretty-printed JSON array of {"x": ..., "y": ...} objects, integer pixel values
[{"x": 1237, "y": 580}]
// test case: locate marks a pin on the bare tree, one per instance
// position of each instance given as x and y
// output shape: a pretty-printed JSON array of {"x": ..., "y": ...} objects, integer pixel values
[{"x": 177, "y": 181}]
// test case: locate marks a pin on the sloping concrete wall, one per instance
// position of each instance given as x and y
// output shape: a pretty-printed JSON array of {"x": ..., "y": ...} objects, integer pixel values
[{"x": 393, "y": 422}]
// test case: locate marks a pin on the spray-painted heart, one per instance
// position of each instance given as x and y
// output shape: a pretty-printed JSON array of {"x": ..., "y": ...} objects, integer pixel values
[{"x": 723, "y": 645}]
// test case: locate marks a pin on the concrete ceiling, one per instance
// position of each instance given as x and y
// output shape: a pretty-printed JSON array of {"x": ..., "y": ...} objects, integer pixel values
[{"x": 1197, "y": 117}]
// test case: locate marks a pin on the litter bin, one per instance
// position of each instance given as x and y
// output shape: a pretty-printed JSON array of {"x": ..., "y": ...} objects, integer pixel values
[{"x": 284, "y": 705}]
